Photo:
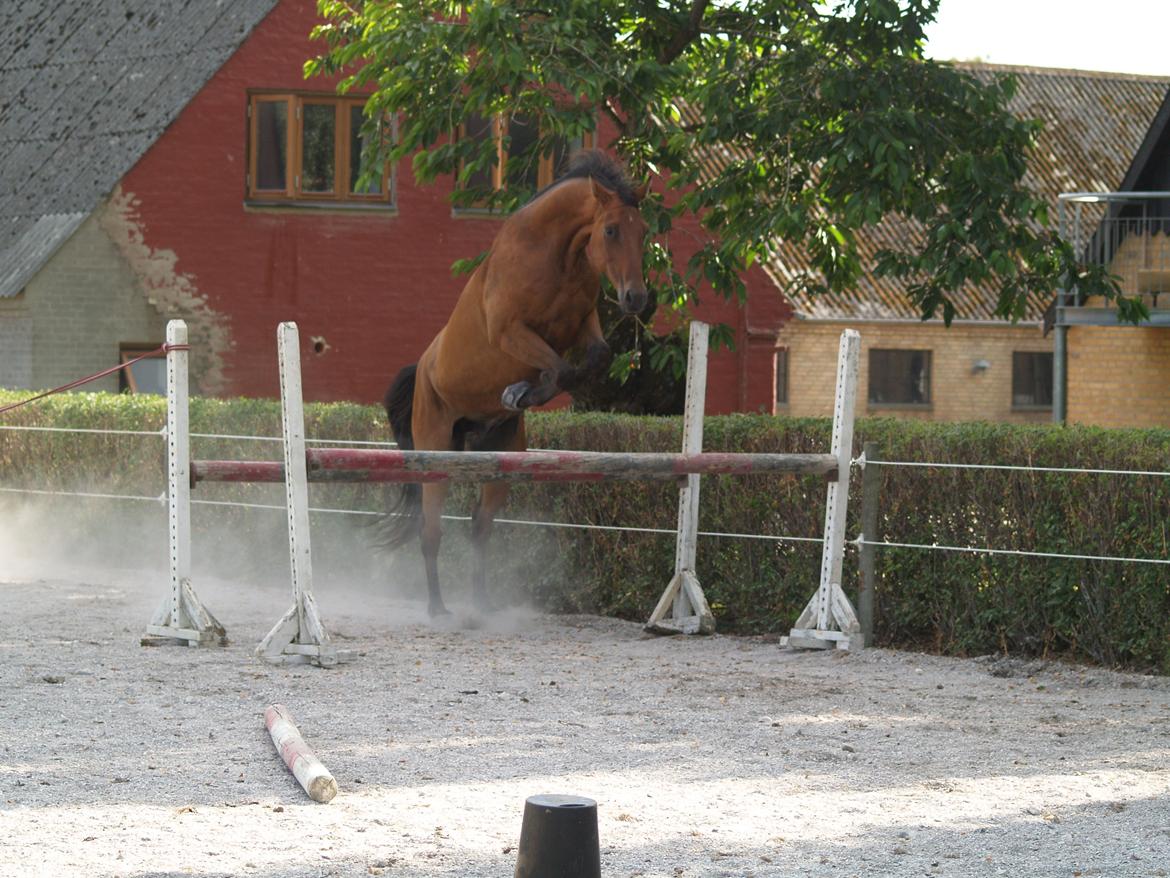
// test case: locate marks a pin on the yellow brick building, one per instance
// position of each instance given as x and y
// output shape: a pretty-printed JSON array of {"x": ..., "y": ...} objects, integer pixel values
[
  {"x": 1119, "y": 376},
  {"x": 1099, "y": 128},
  {"x": 970, "y": 369}
]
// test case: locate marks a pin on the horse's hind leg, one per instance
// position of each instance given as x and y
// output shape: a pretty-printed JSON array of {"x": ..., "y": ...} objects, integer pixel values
[
  {"x": 491, "y": 499},
  {"x": 508, "y": 436},
  {"x": 433, "y": 495},
  {"x": 432, "y": 429}
]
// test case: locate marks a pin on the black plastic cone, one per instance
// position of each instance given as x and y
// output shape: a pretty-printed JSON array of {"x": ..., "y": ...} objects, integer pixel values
[{"x": 558, "y": 838}]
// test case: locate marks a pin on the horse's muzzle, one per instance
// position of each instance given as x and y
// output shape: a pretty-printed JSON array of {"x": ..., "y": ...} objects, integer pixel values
[{"x": 632, "y": 300}]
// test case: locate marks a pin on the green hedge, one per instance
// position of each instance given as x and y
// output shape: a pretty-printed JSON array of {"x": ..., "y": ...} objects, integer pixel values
[{"x": 1107, "y": 612}]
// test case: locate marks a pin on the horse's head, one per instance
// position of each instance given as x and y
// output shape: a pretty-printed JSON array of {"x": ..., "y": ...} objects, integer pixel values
[{"x": 616, "y": 244}]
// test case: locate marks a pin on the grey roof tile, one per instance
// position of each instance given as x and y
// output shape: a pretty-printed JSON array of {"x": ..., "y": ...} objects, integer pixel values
[
  {"x": 86, "y": 86},
  {"x": 48, "y": 104},
  {"x": 41, "y": 38},
  {"x": 92, "y": 33}
]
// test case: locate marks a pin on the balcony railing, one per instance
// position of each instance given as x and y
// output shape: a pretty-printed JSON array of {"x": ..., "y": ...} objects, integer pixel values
[{"x": 1128, "y": 232}]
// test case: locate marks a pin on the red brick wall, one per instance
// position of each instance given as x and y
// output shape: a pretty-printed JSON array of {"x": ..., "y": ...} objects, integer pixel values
[{"x": 376, "y": 288}]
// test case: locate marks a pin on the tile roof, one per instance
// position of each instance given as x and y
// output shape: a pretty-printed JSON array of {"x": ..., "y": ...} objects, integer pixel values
[
  {"x": 1094, "y": 124},
  {"x": 35, "y": 243},
  {"x": 85, "y": 88}
]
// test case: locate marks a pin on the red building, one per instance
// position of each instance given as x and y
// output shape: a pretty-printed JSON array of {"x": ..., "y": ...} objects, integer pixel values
[{"x": 226, "y": 221}]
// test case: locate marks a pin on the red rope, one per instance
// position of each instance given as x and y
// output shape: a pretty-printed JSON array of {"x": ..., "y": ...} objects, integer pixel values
[{"x": 161, "y": 349}]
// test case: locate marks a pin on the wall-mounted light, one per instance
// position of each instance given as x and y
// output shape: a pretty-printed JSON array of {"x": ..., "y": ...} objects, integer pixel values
[{"x": 980, "y": 366}]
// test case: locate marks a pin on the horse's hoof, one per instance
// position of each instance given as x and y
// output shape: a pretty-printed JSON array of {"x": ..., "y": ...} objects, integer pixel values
[
  {"x": 437, "y": 610},
  {"x": 513, "y": 396}
]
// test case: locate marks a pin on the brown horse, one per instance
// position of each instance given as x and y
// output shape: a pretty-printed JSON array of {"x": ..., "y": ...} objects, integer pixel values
[{"x": 531, "y": 300}]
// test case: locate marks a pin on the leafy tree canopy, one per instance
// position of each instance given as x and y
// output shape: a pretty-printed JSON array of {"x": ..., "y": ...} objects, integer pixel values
[{"x": 769, "y": 119}]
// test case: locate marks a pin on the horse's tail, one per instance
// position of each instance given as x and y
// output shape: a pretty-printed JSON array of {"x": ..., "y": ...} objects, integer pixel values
[
  {"x": 399, "y": 404},
  {"x": 403, "y": 519}
]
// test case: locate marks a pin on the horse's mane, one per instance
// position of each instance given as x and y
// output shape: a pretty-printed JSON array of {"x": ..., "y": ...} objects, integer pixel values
[{"x": 607, "y": 170}]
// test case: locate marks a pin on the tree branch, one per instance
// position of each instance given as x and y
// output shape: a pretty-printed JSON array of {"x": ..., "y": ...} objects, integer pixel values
[{"x": 683, "y": 37}]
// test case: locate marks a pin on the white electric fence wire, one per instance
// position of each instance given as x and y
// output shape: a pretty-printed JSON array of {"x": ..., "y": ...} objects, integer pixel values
[
  {"x": 160, "y": 433},
  {"x": 1023, "y": 469},
  {"x": 978, "y": 550},
  {"x": 524, "y": 522},
  {"x": 160, "y": 500},
  {"x": 512, "y": 521},
  {"x": 333, "y": 443},
  {"x": 82, "y": 430}
]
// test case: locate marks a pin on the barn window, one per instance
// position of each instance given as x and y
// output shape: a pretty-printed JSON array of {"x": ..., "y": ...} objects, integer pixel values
[
  {"x": 899, "y": 377},
  {"x": 309, "y": 148},
  {"x": 145, "y": 376},
  {"x": 1031, "y": 379},
  {"x": 511, "y": 136}
]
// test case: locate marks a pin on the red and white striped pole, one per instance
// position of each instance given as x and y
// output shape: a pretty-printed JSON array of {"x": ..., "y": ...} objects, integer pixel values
[{"x": 298, "y": 756}]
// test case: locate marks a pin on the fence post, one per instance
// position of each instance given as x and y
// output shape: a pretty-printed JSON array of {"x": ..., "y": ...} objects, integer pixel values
[{"x": 871, "y": 481}]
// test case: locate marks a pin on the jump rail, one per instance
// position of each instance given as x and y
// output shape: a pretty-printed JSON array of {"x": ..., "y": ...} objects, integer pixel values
[
  {"x": 300, "y": 636},
  {"x": 360, "y": 465}
]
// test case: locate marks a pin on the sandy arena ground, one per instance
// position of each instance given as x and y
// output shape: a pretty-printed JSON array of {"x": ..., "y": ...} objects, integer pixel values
[{"x": 721, "y": 756}]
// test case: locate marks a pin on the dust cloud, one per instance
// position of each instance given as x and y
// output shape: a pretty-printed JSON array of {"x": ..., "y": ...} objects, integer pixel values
[{"x": 103, "y": 541}]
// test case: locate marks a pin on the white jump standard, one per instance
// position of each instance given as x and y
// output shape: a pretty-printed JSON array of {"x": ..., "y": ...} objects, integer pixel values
[
  {"x": 299, "y": 636},
  {"x": 181, "y": 617},
  {"x": 684, "y": 598},
  {"x": 829, "y": 619}
]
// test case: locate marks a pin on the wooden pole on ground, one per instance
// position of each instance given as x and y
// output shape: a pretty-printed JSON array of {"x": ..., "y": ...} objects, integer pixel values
[{"x": 298, "y": 756}]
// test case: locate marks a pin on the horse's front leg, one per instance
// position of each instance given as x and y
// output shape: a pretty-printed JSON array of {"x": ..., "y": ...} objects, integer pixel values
[
  {"x": 524, "y": 394},
  {"x": 556, "y": 374},
  {"x": 598, "y": 355},
  {"x": 521, "y": 342}
]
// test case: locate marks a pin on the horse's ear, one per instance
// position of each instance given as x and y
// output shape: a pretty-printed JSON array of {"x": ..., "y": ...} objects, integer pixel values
[
  {"x": 641, "y": 191},
  {"x": 603, "y": 195}
]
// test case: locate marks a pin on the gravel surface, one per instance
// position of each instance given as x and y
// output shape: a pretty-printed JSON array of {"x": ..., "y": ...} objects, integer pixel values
[{"x": 720, "y": 756}]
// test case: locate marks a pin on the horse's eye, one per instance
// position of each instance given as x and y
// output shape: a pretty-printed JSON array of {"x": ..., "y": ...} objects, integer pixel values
[{"x": 611, "y": 232}]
